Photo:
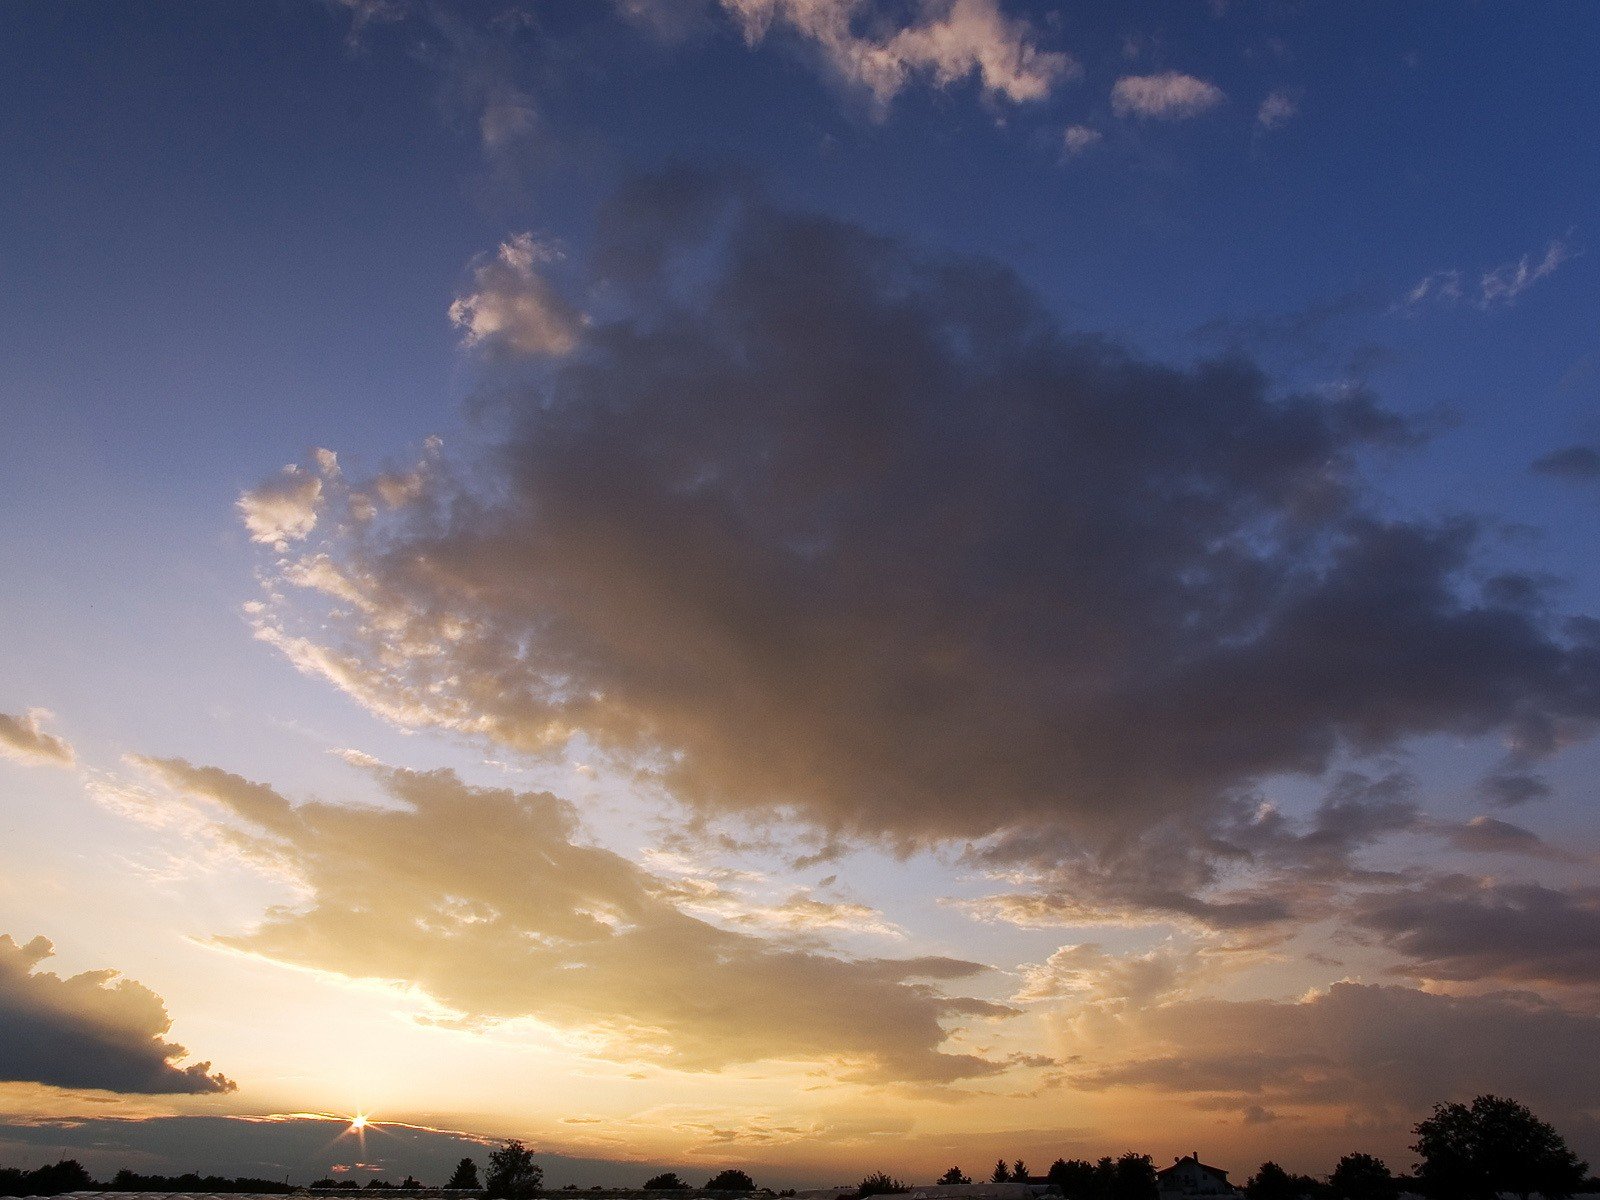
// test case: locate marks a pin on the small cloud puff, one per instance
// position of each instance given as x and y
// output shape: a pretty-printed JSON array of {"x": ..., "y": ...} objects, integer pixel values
[
  {"x": 1079, "y": 138},
  {"x": 23, "y": 738},
  {"x": 1167, "y": 96},
  {"x": 284, "y": 509},
  {"x": 513, "y": 306},
  {"x": 1276, "y": 110}
]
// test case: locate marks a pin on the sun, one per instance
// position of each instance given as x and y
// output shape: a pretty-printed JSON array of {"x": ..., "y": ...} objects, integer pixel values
[{"x": 359, "y": 1123}]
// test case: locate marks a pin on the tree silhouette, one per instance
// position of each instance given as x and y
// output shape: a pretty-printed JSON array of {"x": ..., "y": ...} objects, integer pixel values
[
  {"x": 1362, "y": 1177},
  {"x": 513, "y": 1175},
  {"x": 1495, "y": 1145},
  {"x": 1002, "y": 1173},
  {"x": 954, "y": 1176},
  {"x": 880, "y": 1184},
  {"x": 731, "y": 1180},
  {"x": 666, "y": 1182},
  {"x": 466, "y": 1175},
  {"x": 1019, "y": 1172},
  {"x": 1131, "y": 1177},
  {"x": 1076, "y": 1179},
  {"x": 1272, "y": 1182}
]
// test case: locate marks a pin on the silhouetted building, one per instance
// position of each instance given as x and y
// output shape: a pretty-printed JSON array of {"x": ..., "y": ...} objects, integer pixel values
[{"x": 1188, "y": 1176}]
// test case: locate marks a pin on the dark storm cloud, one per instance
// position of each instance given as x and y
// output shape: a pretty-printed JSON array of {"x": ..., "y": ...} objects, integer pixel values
[
  {"x": 1573, "y": 462},
  {"x": 1465, "y": 929},
  {"x": 89, "y": 1030},
  {"x": 810, "y": 520}
]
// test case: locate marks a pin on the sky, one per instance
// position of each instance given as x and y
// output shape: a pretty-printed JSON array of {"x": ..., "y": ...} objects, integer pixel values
[{"x": 813, "y": 585}]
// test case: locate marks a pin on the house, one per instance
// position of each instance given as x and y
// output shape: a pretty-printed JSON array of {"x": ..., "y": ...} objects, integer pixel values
[{"x": 1188, "y": 1176}]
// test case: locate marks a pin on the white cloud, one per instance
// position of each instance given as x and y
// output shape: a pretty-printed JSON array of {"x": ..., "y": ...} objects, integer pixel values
[
  {"x": 23, "y": 738},
  {"x": 1168, "y": 95},
  {"x": 283, "y": 509},
  {"x": 514, "y": 306},
  {"x": 949, "y": 41}
]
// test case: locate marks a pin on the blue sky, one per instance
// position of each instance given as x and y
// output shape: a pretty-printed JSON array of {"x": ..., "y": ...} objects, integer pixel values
[{"x": 235, "y": 233}]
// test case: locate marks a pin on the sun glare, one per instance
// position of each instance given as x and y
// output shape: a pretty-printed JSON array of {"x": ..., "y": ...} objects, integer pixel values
[{"x": 358, "y": 1123}]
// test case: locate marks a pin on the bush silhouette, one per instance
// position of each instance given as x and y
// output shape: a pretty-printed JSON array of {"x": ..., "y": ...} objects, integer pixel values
[{"x": 732, "y": 1180}]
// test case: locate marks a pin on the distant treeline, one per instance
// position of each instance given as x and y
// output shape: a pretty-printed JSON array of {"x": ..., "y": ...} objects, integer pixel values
[
  {"x": 1467, "y": 1152},
  {"x": 69, "y": 1175}
]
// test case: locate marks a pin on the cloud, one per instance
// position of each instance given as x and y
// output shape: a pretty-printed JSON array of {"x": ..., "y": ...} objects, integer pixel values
[
  {"x": 1079, "y": 138},
  {"x": 1487, "y": 835},
  {"x": 512, "y": 306},
  {"x": 820, "y": 524},
  {"x": 1465, "y": 929},
  {"x": 1374, "y": 1051},
  {"x": 1503, "y": 284},
  {"x": 90, "y": 1030},
  {"x": 1572, "y": 462},
  {"x": 1166, "y": 96},
  {"x": 283, "y": 509},
  {"x": 946, "y": 40},
  {"x": 1497, "y": 287},
  {"x": 503, "y": 914},
  {"x": 24, "y": 739},
  {"x": 1277, "y": 110}
]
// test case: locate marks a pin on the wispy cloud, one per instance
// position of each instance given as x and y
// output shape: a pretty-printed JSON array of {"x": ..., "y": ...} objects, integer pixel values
[{"x": 1497, "y": 287}]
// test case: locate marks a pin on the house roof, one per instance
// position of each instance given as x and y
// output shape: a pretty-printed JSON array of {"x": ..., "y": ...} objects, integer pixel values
[{"x": 1195, "y": 1159}]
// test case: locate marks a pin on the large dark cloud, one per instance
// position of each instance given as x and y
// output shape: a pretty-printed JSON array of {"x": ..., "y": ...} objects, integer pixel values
[
  {"x": 89, "y": 1030},
  {"x": 1388, "y": 1052},
  {"x": 811, "y": 520},
  {"x": 1467, "y": 929}
]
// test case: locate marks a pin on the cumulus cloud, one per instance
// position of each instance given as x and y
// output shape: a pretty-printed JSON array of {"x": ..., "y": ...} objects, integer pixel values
[
  {"x": 1459, "y": 928},
  {"x": 946, "y": 40},
  {"x": 283, "y": 509},
  {"x": 504, "y": 914},
  {"x": 90, "y": 1030},
  {"x": 1167, "y": 96},
  {"x": 513, "y": 306},
  {"x": 821, "y": 524},
  {"x": 1372, "y": 1051},
  {"x": 23, "y": 738}
]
